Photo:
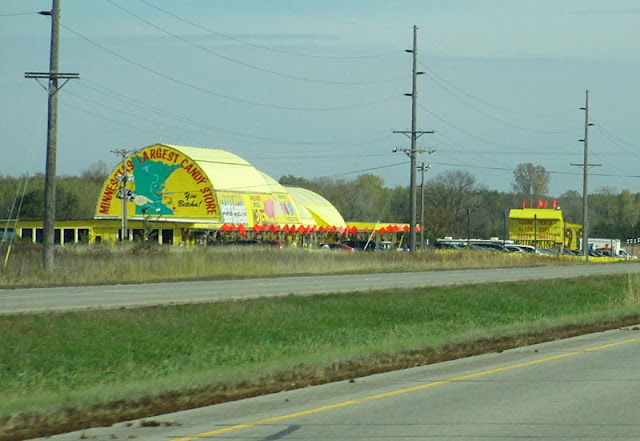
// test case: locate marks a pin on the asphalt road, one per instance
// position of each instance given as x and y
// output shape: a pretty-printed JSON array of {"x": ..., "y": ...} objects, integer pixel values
[
  {"x": 118, "y": 296},
  {"x": 583, "y": 388}
]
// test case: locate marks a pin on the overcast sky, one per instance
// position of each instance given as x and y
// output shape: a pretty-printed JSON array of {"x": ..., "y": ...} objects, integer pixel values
[{"x": 316, "y": 88}]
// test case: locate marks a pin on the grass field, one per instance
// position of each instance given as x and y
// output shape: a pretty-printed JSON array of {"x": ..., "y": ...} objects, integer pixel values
[
  {"x": 72, "y": 370},
  {"x": 139, "y": 262}
]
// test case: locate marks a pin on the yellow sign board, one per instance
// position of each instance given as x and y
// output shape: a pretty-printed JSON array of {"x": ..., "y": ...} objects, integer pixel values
[
  {"x": 543, "y": 227},
  {"x": 160, "y": 181},
  {"x": 536, "y": 226}
]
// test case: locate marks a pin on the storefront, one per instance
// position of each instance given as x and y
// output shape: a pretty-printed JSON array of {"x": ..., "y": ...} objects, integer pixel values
[{"x": 184, "y": 195}]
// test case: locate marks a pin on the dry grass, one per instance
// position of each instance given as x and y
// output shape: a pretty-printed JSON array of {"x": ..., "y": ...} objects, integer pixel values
[{"x": 140, "y": 262}]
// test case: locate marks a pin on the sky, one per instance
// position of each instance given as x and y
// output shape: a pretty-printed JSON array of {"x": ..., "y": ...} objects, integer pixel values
[{"x": 316, "y": 89}]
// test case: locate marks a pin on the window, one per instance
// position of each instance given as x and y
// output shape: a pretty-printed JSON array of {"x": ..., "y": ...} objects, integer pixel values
[
  {"x": 83, "y": 235},
  {"x": 68, "y": 235},
  {"x": 27, "y": 233},
  {"x": 167, "y": 236}
]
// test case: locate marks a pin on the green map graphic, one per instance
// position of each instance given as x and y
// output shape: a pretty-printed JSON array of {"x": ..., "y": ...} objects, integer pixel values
[{"x": 149, "y": 179}]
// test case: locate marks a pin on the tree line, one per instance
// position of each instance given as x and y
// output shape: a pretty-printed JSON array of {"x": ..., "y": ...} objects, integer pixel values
[{"x": 454, "y": 204}]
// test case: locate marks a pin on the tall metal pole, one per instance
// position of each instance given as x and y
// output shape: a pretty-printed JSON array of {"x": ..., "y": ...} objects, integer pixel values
[
  {"x": 52, "y": 131},
  {"x": 414, "y": 100},
  {"x": 413, "y": 135},
  {"x": 52, "y": 76},
  {"x": 585, "y": 177}
]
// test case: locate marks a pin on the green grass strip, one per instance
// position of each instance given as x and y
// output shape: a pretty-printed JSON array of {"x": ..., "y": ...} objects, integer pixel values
[{"x": 53, "y": 361}]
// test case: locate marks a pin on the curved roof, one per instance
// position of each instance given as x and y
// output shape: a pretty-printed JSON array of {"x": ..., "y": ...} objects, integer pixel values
[
  {"x": 316, "y": 208},
  {"x": 229, "y": 172},
  {"x": 197, "y": 184}
]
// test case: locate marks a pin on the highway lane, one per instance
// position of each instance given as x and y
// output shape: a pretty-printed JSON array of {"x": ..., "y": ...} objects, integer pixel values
[
  {"x": 118, "y": 296},
  {"x": 583, "y": 388}
]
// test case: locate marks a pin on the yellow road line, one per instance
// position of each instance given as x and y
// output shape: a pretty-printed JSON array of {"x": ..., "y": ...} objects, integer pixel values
[{"x": 398, "y": 392}]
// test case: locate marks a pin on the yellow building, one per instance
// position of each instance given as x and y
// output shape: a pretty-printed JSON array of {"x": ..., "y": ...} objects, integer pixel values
[
  {"x": 184, "y": 195},
  {"x": 543, "y": 227}
]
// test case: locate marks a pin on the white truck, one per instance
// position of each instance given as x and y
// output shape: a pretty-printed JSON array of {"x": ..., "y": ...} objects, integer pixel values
[{"x": 609, "y": 246}]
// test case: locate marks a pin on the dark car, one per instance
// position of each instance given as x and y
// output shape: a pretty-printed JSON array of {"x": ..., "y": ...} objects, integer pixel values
[
  {"x": 362, "y": 245},
  {"x": 340, "y": 247},
  {"x": 449, "y": 246},
  {"x": 489, "y": 246}
]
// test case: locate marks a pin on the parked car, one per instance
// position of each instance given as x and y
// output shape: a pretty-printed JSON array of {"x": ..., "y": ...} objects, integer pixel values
[
  {"x": 449, "y": 246},
  {"x": 526, "y": 248},
  {"x": 513, "y": 249},
  {"x": 340, "y": 247},
  {"x": 387, "y": 245},
  {"x": 489, "y": 246},
  {"x": 362, "y": 245}
]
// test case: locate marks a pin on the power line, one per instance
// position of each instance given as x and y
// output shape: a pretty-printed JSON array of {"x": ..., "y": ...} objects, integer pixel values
[
  {"x": 606, "y": 175},
  {"x": 366, "y": 169},
  {"x": 613, "y": 138},
  {"x": 462, "y": 130},
  {"x": 267, "y": 48},
  {"x": 512, "y": 153},
  {"x": 105, "y": 118},
  {"x": 471, "y": 135},
  {"x": 241, "y": 63},
  {"x": 315, "y": 157},
  {"x": 502, "y": 109},
  {"x": 231, "y": 134},
  {"x": 15, "y": 14},
  {"x": 508, "y": 124},
  {"x": 219, "y": 95},
  {"x": 133, "y": 115}
]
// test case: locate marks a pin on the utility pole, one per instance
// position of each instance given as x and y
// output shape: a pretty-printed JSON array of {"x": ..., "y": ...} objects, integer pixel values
[
  {"x": 423, "y": 168},
  {"x": 585, "y": 179},
  {"x": 414, "y": 135},
  {"x": 50, "y": 172},
  {"x": 123, "y": 193}
]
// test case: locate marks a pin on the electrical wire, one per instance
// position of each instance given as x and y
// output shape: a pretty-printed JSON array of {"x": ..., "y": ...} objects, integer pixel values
[
  {"x": 241, "y": 63},
  {"x": 267, "y": 48},
  {"x": 613, "y": 137},
  {"x": 233, "y": 135},
  {"x": 219, "y": 95},
  {"x": 130, "y": 126},
  {"x": 502, "y": 109},
  {"x": 471, "y": 135},
  {"x": 608, "y": 175},
  {"x": 367, "y": 169},
  {"x": 508, "y": 124},
  {"x": 14, "y": 14},
  {"x": 133, "y": 115}
]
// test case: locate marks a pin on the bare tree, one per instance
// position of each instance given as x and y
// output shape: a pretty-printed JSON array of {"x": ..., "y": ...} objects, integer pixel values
[
  {"x": 97, "y": 172},
  {"x": 531, "y": 180},
  {"x": 450, "y": 195},
  {"x": 570, "y": 202}
]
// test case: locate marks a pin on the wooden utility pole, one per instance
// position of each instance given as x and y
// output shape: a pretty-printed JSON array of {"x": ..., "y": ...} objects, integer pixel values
[
  {"x": 585, "y": 179},
  {"x": 413, "y": 135},
  {"x": 52, "y": 126}
]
